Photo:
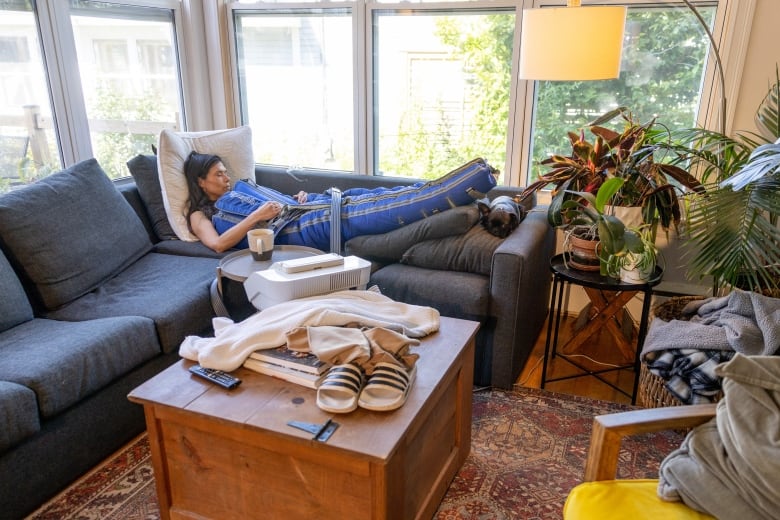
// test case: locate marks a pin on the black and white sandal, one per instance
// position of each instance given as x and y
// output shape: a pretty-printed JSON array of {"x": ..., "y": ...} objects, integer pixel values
[
  {"x": 387, "y": 387},
  {"x": 339, "y": 390}
]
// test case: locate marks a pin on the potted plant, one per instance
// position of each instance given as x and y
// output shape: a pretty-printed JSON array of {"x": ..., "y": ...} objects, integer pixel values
[
  {"x": 619, "y": 251},
  {"x": 733, "y": 232},
  {"x": 629, "y": 155}
]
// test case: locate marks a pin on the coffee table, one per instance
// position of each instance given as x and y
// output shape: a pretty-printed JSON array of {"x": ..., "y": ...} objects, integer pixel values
[
  {"x": 222, "y": 453},
  {"x": 228, "y": 295}
]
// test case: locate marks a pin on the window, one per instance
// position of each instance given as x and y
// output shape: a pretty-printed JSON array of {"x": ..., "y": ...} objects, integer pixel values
[
  {"x": 28, "y": 143},
  {"x": 129, "y": 73},
  {"x": 434, "y": 88},
  {"x": 296, "y": 85},
  {"x": 441, "y": 89},
  {"x": 664, "y": 52}
]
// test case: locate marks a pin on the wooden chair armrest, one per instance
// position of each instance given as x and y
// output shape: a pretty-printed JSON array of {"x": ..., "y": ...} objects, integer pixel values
[{"x": 609, "y": 430}]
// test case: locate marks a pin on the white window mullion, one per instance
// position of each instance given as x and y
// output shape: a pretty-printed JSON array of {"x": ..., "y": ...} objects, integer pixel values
[
  {"x": 732, "y": 33},
  {"x": 362, "y": 85},
  {"x": 66, "y": 90}
]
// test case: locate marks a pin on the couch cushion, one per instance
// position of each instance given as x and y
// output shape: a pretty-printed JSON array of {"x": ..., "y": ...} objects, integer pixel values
[
  {"x": 70, "y": 232},
  {"x": 14, "y": 306},
  {"x": 389, "y": 247},
  {"x": 171, "y": 290},
  {"x": 143, "y": 168},
  {"x": 18, "y": 414},
  {"x": 63, "y": 362},
  {"x": 453, "y": 294},
  {"x": 470, "y": 252},
  {"x": 182, "y": 248},
  {"x": 233, "y": 146}
]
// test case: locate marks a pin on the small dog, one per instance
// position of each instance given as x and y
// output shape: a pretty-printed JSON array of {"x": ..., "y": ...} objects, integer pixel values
[{"x": 500, "y": 216}]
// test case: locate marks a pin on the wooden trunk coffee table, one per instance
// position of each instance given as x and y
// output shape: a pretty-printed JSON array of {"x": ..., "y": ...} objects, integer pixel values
[{"x": 230, "y": 453}]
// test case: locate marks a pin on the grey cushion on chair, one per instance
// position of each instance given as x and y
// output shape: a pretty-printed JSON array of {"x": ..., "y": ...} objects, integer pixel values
[
  {"x": 14, "y": 307},
  {"x": 70, "y": 232}
]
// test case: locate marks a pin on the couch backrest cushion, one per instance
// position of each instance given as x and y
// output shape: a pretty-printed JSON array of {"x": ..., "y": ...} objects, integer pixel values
[
  {"x": 233, "y": 146},
  {"x": 69, "y": 232},
  {"x": 14, "y": 306},
  {"x": 143, "y": 168}
]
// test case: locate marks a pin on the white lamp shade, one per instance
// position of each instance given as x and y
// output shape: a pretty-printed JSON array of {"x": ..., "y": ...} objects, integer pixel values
[{"x": 572, "y": 43}]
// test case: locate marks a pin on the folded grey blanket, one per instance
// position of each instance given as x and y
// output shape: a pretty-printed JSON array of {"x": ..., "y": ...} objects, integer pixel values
[
  {"x": 728, "y": 466},
  {"x": 743, "y": 321}
]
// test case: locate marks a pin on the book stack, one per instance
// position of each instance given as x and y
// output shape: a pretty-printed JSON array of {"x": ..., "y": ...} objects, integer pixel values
[{"x": 302, "y": 368}]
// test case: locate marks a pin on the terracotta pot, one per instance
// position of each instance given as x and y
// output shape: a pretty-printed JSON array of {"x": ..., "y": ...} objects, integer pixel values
[{"x": 582, "y": 253}]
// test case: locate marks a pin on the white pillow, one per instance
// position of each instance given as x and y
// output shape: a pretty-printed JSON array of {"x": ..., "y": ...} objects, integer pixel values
[{"x": 233, "y": 146}]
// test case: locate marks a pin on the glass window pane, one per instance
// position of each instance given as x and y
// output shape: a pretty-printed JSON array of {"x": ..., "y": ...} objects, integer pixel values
[
  {"x": 664, "y": 53},
  {"x": 295, "y": 84},
  {"x": 441, "y": 89},
  {"x": 129, "y": 74},
  {"x": 28, "y": 143}
]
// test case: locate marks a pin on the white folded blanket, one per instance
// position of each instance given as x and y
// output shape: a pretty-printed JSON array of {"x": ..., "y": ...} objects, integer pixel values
[{"x": 233, "y": 342}]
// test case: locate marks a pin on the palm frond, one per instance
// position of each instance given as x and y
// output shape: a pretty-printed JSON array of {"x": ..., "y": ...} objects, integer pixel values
[
  {"x": 736, "y": 239},
  {"x": 768, "y": 113}
]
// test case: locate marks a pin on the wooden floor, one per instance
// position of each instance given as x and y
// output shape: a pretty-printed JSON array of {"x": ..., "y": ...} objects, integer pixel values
[{"x": 598, "y": 352}]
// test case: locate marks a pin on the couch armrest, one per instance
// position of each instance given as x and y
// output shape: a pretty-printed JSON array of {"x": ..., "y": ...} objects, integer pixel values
[{"x": 520, "y": 282}]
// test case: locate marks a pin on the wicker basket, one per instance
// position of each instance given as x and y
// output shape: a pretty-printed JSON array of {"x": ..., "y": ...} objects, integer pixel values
[{"x": 651, "y": 392}]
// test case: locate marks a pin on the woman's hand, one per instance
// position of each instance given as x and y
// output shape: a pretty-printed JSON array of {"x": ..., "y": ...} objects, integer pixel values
[
  {"x": 267, "y": 211},
  {"x": 301, "y": 196}
]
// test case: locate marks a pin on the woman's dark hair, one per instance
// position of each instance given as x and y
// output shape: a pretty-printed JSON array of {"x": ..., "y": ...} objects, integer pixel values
[{"x": 197, "y": 167}]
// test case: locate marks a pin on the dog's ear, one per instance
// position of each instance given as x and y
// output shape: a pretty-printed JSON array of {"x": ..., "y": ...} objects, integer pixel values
[{"x": 484, "y": 208}]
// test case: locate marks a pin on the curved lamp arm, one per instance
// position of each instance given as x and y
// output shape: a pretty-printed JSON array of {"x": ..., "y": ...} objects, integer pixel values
[{"x": 718, "y": 62}]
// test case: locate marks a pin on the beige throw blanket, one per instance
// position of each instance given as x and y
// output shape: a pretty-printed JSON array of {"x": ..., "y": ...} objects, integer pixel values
[
  {"x": 233, "y": 342},
  {"x": 728, "y": 467}
]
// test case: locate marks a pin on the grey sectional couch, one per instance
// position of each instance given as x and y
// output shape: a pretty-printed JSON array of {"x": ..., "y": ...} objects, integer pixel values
[
  {"x": 89, "y": 310},
  {"x": 97, "y": 296},
  {"x": 503, "y": 284}
]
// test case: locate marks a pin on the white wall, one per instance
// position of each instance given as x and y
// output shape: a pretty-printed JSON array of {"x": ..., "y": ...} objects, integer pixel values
[{"x": 763, "y": 55}]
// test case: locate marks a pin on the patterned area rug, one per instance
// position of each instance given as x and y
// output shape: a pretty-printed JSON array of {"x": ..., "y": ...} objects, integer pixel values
[{"x": 528, "y": 450}]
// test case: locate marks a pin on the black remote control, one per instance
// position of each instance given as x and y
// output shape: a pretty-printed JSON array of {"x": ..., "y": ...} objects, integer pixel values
[{"x": 216, "y": 376}]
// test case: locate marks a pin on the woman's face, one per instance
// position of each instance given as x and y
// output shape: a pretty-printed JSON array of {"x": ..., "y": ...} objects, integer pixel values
[{"x": 216, "y": 183}]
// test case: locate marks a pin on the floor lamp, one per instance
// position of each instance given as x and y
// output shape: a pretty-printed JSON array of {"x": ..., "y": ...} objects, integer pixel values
[{"x": 576, "y": 43}]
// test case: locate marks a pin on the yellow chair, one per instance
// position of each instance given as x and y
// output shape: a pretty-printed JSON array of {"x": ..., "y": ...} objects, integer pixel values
[{"x": 601, "y": 496}]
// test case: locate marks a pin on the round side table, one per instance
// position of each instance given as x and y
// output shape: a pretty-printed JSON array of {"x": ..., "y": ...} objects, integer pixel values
[
  {"x": 608, "y": 296},
  {"x": 228, "y": 295}
]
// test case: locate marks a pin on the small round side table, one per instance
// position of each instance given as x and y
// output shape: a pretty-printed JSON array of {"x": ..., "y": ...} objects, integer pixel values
[{"x": 608, "y": 296}]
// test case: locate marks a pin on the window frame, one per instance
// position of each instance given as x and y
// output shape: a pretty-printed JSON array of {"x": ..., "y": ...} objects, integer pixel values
[
  {"x": 64, "y": 81},
  {"x": 206, "y": 50},
  {"x": 731, "y": 32}
]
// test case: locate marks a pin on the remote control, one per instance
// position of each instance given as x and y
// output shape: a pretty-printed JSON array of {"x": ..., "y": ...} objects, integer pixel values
[
  {"x": 310, "y": 263},
  {"x": 216, "y": 376}
]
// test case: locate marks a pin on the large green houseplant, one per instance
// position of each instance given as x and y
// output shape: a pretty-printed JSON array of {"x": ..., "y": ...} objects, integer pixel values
[
  {"x": 733, "y": 232},
  {"x": 619, "y": 247},
  {"x": 628, "y": 155}
]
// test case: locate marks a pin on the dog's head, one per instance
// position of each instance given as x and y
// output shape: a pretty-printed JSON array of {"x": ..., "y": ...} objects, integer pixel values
[{"x": 500, "y": 216}]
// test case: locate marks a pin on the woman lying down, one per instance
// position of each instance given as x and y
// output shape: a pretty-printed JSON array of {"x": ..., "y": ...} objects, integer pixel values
[{"x": 220, "y": 215}]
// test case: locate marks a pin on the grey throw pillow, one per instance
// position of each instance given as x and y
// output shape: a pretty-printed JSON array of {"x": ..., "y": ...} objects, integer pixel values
[
  {"x": 470, "y": 252},
  {"x": 70, "y": 231},
  {"x": 143, "y": 168},
  {"x": 388, "y": 248}
]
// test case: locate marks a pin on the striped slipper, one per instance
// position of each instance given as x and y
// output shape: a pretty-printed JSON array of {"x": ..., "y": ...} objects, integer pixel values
[
  {"x": 338, "y": 392},
  {"x": 387, "y": 387}
]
